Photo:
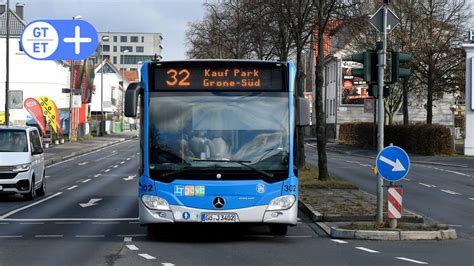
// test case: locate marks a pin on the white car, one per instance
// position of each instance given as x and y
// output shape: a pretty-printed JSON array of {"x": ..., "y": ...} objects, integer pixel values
[{"x": 22, "y": 162}]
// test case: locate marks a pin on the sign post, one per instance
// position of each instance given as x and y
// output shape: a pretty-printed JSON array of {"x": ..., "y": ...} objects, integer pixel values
[{"x": 393, "y": 164}]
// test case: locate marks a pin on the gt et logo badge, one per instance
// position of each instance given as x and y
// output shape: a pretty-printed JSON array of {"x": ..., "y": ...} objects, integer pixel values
[{"x": 59, "y": 39}]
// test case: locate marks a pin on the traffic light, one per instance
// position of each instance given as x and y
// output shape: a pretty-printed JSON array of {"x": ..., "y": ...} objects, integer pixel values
[
  {"x": 398, "y": 72},
  {"x": 369, "y": 71},
  {"x": 374, "y": 91}
]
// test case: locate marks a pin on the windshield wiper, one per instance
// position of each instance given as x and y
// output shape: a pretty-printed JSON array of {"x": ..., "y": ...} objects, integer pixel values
[{"x": 243, "y": 163}]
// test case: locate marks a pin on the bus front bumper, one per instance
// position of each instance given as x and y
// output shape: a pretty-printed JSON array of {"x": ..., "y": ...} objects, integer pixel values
[{"x": 254, "y": 214}]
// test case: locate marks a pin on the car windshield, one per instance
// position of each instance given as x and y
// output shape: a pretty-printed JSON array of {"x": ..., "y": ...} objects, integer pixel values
[
  {"x": 199, "y": 130},
  {"x": 13, "y": 141}
]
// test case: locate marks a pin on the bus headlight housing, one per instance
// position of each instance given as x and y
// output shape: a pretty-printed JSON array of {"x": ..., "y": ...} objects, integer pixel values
[
  {"x": 155, "y": 203},
  {"x": 281, "y": 203}
]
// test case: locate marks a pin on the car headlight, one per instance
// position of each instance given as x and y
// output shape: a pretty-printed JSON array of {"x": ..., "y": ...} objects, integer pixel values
[
  {"x": 155, "y": 203},
  {"x": 281, "y": 203},
  {"x": 21, "y": 168}
]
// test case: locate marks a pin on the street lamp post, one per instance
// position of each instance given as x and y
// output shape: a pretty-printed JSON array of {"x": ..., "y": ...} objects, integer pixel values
[
  {"x": 71, "y": 89},
  {"x": 7, "y": 70},
  {"x": 123, "y": 86},
  {"x": 102, "y": 121}
]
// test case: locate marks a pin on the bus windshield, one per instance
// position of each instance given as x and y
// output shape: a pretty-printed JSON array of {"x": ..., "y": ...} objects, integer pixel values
[{"x": 196, "y": 130}]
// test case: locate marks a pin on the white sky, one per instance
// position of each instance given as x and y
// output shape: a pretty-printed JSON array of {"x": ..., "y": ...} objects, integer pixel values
[{"x": 169, "y": 17}]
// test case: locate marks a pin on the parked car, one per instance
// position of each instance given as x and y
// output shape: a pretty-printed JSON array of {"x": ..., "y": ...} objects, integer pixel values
[{"x": 22, "y": 162}]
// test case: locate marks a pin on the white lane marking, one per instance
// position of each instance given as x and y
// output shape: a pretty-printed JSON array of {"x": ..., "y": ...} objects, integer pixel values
[
  {"x": 450, "y": 192},
  {"x": 73, "y": 157},
  {"x": 132, "y": 247},
  {"x": 91, "y": 203},
  {"x": 47, "y": 176},
  {"x": 132, "y": 235},
  {"x": 426, "y": 185},
  {"x": 70, "y": 219},
  {"x": 411, "y": 260},
  {"x": 130, "y": 177},
  {"x": 457, "y": 173},
  {"x": 127, "y": 239},
  {"x": 367, "y": 250},
  {"x": 122, "y": 162},
  {"x": 146, "y": 256},
  {"x": 48, "y": 236},
  {"x": 97, "y": 175},
  {"x": 115, "y": 166},
  {"x": 85, "y": 181},
  {"x": 83, "y": 163},
  {"x": 4, "y": 223},
  {"x": 89, "y": 236},
  {"x": 114, "y": 151},
  {"x": 107, "y": 170},
  {"x": 471, "y": 198},
  {"x": 454, "y": 225},
  {"x": 167, "y": 264},
  {"x": 32, "y": 223},
  {"x": 29, "y": 206},
  {"x": 339, "y": 241},
  {"x": 128, "y": 159},
  {"x": 73, "y": 187},
  {"x": 407, "y": 179},
  {"x": 10, "y": 236}
]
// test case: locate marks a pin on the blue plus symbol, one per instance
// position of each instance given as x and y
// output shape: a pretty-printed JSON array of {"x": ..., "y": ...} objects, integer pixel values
[{"x": 77, "y": 40}]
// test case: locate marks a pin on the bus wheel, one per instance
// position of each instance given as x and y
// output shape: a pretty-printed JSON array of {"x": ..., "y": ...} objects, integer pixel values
[{"x": 278, "y": 229}]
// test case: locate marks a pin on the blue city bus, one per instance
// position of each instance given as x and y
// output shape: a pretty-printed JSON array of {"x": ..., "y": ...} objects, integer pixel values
[{"x": 217, "y": 141}]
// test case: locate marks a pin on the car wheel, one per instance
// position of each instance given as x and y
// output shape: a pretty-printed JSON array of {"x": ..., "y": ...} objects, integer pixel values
[
  {"x": 278, "y": 229},
  {"x": 42, "y": 190},
  {"x": 32, "y": 193}
]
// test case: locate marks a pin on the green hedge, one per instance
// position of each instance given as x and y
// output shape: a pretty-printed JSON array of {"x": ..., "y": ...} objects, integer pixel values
[{"x": 417, "y": 138}]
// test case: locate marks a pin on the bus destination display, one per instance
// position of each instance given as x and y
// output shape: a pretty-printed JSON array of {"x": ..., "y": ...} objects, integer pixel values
[{"x": 219, "y": 78}]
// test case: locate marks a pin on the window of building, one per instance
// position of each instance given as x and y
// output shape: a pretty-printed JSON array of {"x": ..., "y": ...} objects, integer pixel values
[
  {"x": 129, "y": 48},
  {"x": 134, "y": 59},
  {"x": 105, "y": 40},
  {"x": 115, "y": 60},
  {"x": 115, "y": 48},
  {"x": 106, "y": 48},
  {"x": 123, "y": 38},
  {"x": 134, "y": 39},
  {"x": 140, "y": 49},
  {"x": 115, "y": 38},
  {"x": 143, "y": 38}
]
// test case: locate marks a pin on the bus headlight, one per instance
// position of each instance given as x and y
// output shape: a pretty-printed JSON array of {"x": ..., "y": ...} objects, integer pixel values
[
  {"x": 155, "y": 203},
  {"x": 281, "y": 203},
  {"x": 21, "y": 168}
]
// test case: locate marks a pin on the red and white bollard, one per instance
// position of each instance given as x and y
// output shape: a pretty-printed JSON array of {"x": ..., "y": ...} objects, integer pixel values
[{"x": 394, "y": 210}]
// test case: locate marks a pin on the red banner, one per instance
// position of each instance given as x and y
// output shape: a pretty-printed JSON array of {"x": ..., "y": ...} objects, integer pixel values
[{"x": 34, "y": 108}]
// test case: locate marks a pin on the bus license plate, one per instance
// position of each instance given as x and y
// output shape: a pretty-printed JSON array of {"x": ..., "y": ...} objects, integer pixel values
[{"x": 219, "y": 218}]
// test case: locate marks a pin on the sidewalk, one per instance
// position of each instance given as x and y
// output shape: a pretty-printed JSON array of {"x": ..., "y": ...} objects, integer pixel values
[
  {"x": 459, "y": 161},
  {"x": 67, "y": 150}
]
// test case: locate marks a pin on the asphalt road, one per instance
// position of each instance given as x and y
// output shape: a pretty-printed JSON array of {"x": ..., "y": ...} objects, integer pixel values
[
  {"x": 57, "y": 230},
  {"x": 443, "y": 192}
]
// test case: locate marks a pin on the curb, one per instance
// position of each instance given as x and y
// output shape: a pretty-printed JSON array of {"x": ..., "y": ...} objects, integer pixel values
[
  {"x": 334, "y": 232},
  {"x": 57, "y": 159}
]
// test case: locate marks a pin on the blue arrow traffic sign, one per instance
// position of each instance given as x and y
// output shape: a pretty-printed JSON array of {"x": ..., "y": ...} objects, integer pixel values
[
  {"x": 393, "y": 163},
  {"x": 59, "y": 39}
]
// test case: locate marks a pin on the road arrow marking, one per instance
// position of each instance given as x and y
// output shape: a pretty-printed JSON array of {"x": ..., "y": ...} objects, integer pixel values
[
  {"x": 130, "y": 177},
  {"x": 91, "y": 202},
  {"x": 397, "y": 166}
]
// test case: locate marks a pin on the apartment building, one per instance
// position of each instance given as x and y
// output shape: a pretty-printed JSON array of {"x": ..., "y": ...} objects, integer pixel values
[{"x": 128, "y": 50}]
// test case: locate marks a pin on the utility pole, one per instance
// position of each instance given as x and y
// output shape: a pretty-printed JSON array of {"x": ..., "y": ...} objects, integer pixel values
[
  {"x": 382, "y": 49},
  {"x": 7, "y": 72}
]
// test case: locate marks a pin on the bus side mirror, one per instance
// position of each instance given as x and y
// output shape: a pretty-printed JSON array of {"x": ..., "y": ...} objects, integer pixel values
[
  {"x": 131, "y": 98},
  {"x": 302, "y": 112}
]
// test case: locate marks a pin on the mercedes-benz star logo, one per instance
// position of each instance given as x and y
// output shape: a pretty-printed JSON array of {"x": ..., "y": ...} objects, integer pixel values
[{"x": 218, "y": 202}]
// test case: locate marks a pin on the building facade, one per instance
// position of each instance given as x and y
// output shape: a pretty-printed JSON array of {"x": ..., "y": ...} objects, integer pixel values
[{"x": 127, "y": 49}]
